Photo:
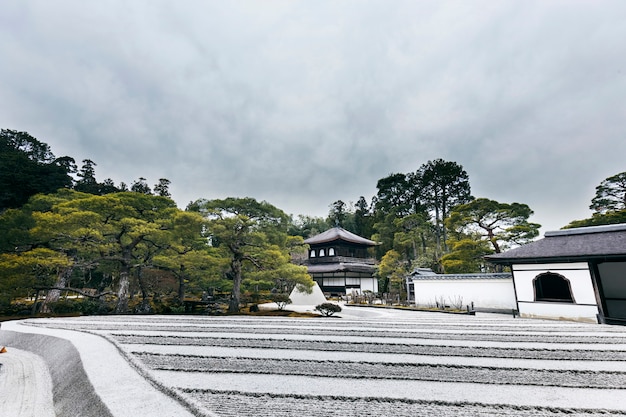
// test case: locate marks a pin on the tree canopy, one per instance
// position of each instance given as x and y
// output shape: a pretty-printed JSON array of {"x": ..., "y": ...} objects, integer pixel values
[
  {"x": 608, "y": 204},
  {"x": 252, "y": 235},
  {"x": 500, "y": 224},
  {"x": 28, "y": 167},
  {"x": 59, "y": 224},
  {"x": 610, "y": 195}
]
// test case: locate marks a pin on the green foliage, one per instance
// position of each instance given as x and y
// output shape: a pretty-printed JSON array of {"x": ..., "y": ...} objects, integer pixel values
[
  {"x": 363, "y": 219},
  {"x": 391, "y": 273},
  {"x": 81, "y": 306},
  {"x": 281, "y": 300},
  {"x": 500, "y": 224},
  {"x": 442, "y": 185},
  {"x": 394, "y": 196},
  {"x": 410, "y": 209},
  {"x": 609, "y": 203},
  {"x": 20, "y": 273},
  {"x": 123, "y": 236},
  {"x": 253, "y": 237},
  {"x": 307, "y": 226},
  {"x": 28, "y": 167},
  {"x": 610, "y": 195},
  {"x": 14, "y": 230},
  {"x": 599, "y": 219},
  {"x": 328, "y": 309},
  {"x": 466, "y": 256},
  {"x": 337, "y": 213}
]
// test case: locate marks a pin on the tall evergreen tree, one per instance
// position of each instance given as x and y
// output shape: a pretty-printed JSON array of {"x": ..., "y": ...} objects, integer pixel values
[
  {"x": 28, "y": 167},
  {"x": 442, "y": 185}
]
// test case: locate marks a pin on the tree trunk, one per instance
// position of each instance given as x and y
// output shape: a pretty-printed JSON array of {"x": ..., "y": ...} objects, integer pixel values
[
  {"x": 181, "y": 284},
  {"x": 34, "y": 309},
  {"x": 145, "y": 307},
  {"x": 122, "y": 292},
  {"x": 437, "y": 231},
  {"x": 53, "y": 296},
  {"x": 235, "y": 296}
]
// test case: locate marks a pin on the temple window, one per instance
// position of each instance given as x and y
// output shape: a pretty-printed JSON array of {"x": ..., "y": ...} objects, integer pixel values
[
  {"x": 322, "y": 253},
  {"x": 552, "y": 287},
  {"x": 331, "y": 252}
]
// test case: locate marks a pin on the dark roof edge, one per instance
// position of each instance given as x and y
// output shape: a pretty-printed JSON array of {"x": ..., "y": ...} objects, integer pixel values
[
  {"x": 588, "y": 230},
  {"x": 339, "y": 233},
  {"x": 552, "y": 259}
]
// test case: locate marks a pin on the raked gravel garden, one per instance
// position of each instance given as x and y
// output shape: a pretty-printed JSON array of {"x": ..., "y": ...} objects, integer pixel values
[{"x": 370, "y": 362}]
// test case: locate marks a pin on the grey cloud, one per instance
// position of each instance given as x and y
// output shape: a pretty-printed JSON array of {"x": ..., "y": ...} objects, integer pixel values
[{"x": 303, "y": 103}]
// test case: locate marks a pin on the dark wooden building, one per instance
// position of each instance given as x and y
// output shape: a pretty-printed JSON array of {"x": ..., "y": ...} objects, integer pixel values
[{"x": 340, "y": 262}]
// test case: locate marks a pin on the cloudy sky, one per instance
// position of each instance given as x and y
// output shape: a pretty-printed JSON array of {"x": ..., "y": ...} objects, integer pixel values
[{"x": 302, "y": 103}]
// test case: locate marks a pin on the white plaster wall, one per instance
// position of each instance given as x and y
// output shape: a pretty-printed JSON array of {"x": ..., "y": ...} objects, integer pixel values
[
  {"x": 369, "y": 284},
  {"x": 485, "y": 293},
  {"x": 585, "y": 307},
  {"x": 577, "y": 273},
  {"x": 559, "y": 311}
]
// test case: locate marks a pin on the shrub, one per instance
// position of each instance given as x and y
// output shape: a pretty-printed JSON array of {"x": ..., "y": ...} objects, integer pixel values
[
  {"x": 281, "y": 300},
  {"x": 328, "y": 309}
]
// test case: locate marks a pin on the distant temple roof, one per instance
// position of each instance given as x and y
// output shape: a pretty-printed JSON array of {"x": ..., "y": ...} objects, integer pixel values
[
  {"x": 341, "y": 267},
  {"x": 339, "y": 233},
  {"x": 581, "y": 243}
]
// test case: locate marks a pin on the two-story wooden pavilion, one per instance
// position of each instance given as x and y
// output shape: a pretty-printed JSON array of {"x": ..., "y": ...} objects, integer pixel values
[{"x": 340, "y": 262}]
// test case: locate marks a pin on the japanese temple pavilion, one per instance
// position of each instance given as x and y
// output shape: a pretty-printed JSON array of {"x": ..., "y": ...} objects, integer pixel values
[{"x": 340, "y": 262}]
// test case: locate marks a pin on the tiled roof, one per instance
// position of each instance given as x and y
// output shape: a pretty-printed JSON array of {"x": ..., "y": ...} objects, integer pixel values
[
  {"x": 459, "y": 277},
  {"x": 341, "y": 267},
  {"x": 570, "y": 244},
  {"x": 339, "y": 233}
]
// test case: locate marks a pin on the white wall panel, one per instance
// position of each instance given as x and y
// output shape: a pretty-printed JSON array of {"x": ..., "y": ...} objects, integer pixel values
[{"x": 488, "y": 294}]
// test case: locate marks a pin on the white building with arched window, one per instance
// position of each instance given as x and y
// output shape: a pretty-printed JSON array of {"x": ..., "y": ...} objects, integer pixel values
[{"x": 574, "y": 274}]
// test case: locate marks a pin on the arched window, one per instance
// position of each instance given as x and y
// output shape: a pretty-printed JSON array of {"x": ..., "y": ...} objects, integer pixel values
[
  {"x": 552, "y": 287},
  {"x": 312, "y": 254},
  {"x": 322, "y": 253},
  {"x": 331, "y": 252}
]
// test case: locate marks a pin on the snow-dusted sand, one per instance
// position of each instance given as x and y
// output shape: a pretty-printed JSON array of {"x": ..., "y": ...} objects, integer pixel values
[{"x": 368, "y": 362}]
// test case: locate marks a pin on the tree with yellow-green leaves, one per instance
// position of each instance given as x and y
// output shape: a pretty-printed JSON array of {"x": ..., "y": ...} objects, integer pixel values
[
  {"x": 253, "y": 237},
  {"x": 122, "y": 233},
  {"x": 485, "y": 226},
  {"x": 391, "y": 273},
  {"x": 20, "y": 273}
]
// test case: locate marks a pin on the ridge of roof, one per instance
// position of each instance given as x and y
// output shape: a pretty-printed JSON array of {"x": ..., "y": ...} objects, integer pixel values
[
  {"x": 606, "y": 228},
  {"x": 582, "y": 243},
  {"x": 461, "y": 277},
  {"x": 339, "y": 233}
]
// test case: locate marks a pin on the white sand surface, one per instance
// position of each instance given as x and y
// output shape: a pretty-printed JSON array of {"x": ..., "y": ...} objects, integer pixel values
[
  {"x": 231, "y": 366},
  {"x": 25, "y": 385},
  {"x": 213, "y": 351},
  {"x": 121, "y": 387},
  {"x": 416, "y": 390}
]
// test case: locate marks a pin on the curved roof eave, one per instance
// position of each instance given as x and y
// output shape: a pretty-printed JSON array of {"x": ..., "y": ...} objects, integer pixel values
[
  {"x": 339, "y": 233},
  {"x": 570, "y": 245}
]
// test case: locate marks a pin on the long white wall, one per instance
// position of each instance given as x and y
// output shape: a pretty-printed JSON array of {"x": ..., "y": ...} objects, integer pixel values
[
  {"x": 584, "y": 308},
  {"x": 484, "y": 293}
]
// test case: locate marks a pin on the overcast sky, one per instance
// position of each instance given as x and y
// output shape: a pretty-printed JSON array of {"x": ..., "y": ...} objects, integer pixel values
[{"x": 302, "y": 103}]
